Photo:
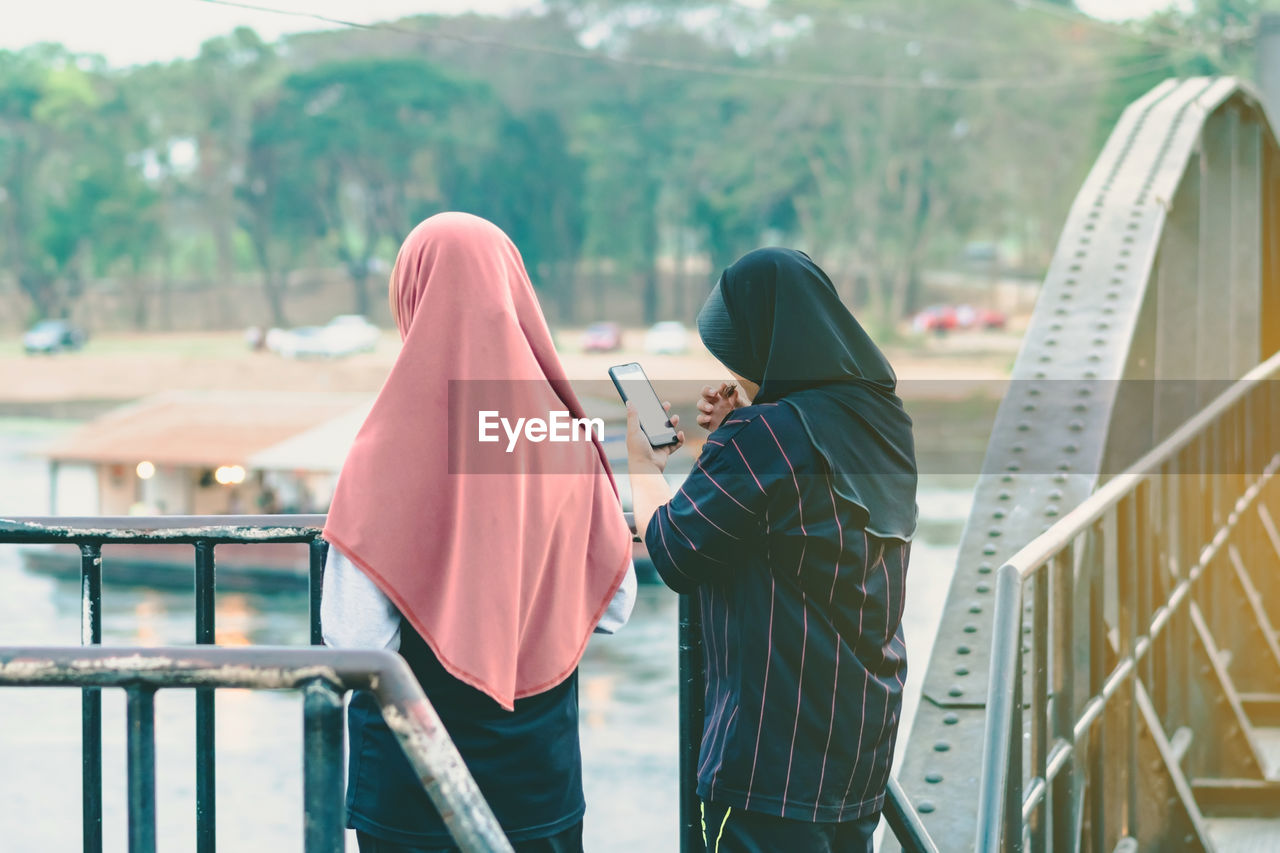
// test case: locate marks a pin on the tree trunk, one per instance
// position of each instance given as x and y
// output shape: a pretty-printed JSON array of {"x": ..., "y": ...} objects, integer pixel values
[
  {"x": 360, "y": 283},
  {"x": 649, "y": 243},
  {"x": 274, "y": 284}
]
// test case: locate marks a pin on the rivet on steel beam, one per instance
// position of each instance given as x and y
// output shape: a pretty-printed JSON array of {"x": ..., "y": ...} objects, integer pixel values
[
  {"x": 1061, "y": 312},
  {"x": 1097, "y": 342},
  {"x": 983, "y": 587},
  {"x": 1040, "y": 374},
  {"x": 994, "y": 532},
  {"x": 1028, "y": 407},
  {"x": 984, "y": 569},
  {"x": 1055, "y": 495},
  {"x": 1079, "y": 407},
  {"x": 1064, "y": 466},
  {"x": 1013, "y": 466},
  {"x": 1091, "y": 374},
  {"x": 1051, "y": 511},
  {"x": 1004, "y": 496},
  {"x": 1044, "y": 359},
  {"x": 989, "y": 550},
  {"x": 1060, "y": 478},
  {"x": 998, "y": 514},
  {"x": 942, "y": 745},
  {"x": 1076, "y": 426},
  {"x": 951, "y": 719},
  {"x": 926, "y": 807},
  {"x": 933, "y": 778},
  {"x": 962, "y": 670}
]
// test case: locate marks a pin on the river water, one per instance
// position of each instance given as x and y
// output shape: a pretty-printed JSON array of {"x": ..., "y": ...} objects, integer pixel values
[{"x": 628, "y": 697}]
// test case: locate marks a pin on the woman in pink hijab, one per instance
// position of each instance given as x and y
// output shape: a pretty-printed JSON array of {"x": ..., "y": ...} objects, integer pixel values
[{"x": 487, "y": 567}]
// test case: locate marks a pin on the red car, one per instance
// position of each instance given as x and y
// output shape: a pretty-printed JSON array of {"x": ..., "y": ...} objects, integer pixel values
[{"x": 602, "y": 337}]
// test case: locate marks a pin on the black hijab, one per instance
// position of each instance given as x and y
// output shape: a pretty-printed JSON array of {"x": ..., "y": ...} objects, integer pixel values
[{"x": 775, "y": 318}]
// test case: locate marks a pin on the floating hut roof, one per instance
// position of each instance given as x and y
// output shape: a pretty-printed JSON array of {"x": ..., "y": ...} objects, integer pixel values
[
  {"x": 207, "y": 428},
  {"x": 321, "y": 449}
]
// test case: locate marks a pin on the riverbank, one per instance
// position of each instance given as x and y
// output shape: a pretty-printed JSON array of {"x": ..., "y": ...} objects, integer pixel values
[{"x": 116, "y": 369}]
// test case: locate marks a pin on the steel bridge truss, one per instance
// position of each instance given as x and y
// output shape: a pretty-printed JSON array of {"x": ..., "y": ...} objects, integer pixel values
[{"x": 1164, "y": 290}]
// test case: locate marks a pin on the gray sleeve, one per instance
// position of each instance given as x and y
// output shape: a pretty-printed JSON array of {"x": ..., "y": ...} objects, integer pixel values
[
  {"x": 354, "y": 613},
  {"x": 619, "y": 609}
]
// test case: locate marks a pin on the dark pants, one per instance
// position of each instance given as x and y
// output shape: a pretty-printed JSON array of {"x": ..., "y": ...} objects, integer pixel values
[
  {"x": 568, "y": 841},
  {"x": 728, "y": 829}
]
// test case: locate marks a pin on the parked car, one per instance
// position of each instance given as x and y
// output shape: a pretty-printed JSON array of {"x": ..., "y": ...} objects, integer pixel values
[
  {"x": 602, "y": 337},
  {"x": 50, "y": 336},
  {"x": 666, "y": 337},
  {"x": 343, "y": 335},
  {"x": 938, "y": 319},
  {"x": 945, "y": 318}
]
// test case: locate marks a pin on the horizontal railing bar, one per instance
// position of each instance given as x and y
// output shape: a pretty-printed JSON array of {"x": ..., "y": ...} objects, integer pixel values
[
  {"x": 161, "y": 528},
  {"x": 254, "y": 667},
  {"x": 186, "y": 529}
]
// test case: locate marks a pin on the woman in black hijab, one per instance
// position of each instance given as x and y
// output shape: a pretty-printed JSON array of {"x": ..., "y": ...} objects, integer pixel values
[{"x": 794, "y": 531}]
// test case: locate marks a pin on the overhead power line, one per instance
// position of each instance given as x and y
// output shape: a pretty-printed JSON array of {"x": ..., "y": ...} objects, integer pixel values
[{"x": 923, "y": 83}]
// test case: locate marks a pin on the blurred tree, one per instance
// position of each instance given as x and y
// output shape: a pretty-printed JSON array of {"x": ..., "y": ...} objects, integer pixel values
[
  {"x": 71, "y": 179},
  {"x": 224, "y": 80},
  {"x": 531, "y": 186},
  {"x": 369, "y": 139}
]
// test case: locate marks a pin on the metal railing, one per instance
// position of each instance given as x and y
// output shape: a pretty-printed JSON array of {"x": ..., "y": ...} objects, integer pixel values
[
  {"x": 1138, "y": 557},
  {"x": 322, "y": 675},
  {"x": 204, "y": 533}
]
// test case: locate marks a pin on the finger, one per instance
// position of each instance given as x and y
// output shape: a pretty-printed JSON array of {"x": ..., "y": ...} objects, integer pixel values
[
  {"x": 704, "y": 406},
  {"x": 708, "y": 391},
  {"x": 675, "y": 420},
  {"x": 666, "y": 406}
]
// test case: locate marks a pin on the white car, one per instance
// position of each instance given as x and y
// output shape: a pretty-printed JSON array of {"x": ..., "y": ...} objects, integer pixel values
[
  {"x": 343, "y": 335},
  {"x": 668, "y": 337}
]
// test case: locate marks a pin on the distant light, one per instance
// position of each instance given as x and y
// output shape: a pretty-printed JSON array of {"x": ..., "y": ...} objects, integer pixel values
[
  {"x": 229, "y": 475},
  {"x": 146, "y": 470}
]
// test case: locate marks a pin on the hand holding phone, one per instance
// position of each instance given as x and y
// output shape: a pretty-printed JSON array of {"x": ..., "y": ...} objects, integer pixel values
[
  {"x": 652, "y": 434},
  {"x": 634, "y": 388}
]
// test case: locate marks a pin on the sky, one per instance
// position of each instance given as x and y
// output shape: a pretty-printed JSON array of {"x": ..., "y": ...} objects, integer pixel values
[{"x": 129, "y": 32}]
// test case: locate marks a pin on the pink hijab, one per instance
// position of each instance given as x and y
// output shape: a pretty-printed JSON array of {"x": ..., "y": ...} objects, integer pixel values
[{"x": 503, "y": 562}]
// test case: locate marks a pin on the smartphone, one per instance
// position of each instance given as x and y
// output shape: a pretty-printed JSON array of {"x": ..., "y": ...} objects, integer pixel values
[{"x": 634, "y": 387}]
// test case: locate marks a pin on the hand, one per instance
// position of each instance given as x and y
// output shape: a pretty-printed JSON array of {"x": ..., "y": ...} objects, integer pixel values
[
  {"x": 643, "y": 457},
  {"x": 715, "y": 405}
]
